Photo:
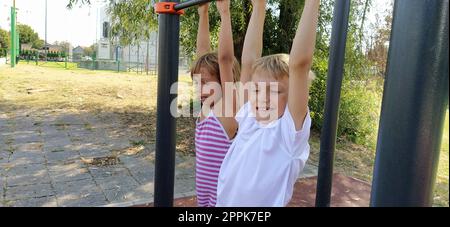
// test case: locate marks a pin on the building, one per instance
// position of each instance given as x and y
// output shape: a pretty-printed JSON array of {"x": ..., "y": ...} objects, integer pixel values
[
  {"x": 54, "y": 48},
  {"x": 134, "y": 57},
  {"x": 77, "y": 53},
  {"x": 139, "y": 57},
  {"x": 26, "y": 46}
]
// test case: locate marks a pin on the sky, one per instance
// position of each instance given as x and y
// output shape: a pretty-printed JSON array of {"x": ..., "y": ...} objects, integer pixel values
[{"x": 79, "y": 25}]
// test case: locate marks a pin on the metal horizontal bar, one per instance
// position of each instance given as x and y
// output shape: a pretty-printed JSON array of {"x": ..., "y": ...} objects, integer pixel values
[{"x": 184, "y": 5}]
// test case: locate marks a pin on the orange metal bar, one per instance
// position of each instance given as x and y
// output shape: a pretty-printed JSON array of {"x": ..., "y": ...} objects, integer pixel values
[{"x": 167, "y": 8}]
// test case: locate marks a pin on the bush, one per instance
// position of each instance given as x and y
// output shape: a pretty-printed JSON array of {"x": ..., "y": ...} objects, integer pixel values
[
  {"x": 359, "y": 113},
  {"x": 3, "y": 52},
  {"x": 359, "y": 107}
]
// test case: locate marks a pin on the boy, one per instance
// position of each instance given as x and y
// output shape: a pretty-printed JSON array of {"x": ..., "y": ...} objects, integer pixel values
[{"x": 271, "y": 147}]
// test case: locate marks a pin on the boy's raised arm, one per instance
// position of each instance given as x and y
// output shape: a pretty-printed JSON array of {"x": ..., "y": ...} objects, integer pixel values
[
  {"x": 253, "y": 43},
  {"x": 301, "y": 61},
  {"x": 203, "y": 37}
]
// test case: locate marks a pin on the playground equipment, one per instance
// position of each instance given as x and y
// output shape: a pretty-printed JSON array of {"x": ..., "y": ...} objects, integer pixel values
[
  {"x": 168, "y": 54},
  {"x": 414, "y": 105},
  {"x": 412, "y": 118},
  {"x": 15, "y": 40},
  {"x": 331, "y": 112}
]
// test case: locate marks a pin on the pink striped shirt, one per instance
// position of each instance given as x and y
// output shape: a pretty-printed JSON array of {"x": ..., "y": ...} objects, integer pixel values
[{"x": 211, "y": 146}]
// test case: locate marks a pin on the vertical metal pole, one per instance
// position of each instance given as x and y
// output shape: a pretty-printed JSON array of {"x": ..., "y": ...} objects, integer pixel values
[
  {"x": 335, "y": 77},
  {"x": 138, "y": 61},
  {"x": 169, "y": 34},
  {"x": 45, "y": 45},
  {"x": 117, "y": 59},
  {"x": 129, "y": 58},
  {"x": 414, "y": 105},
  {"x": 13, "y": 36},
  {"x": 146, "y": 58},
  {"x": 17, "y": 45}
]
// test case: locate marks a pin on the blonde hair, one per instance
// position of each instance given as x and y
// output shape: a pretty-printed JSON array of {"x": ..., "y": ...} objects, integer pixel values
[
  {"x": 210, "y": 62},
  {"x": 278, "y": 66}
]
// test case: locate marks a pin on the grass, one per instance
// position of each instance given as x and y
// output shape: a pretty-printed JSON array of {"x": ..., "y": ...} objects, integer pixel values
[
  {"x": 76, "y": 89},
  {"x": 132, "y": 97},
  {"x": 441, "y": 197},
  {"x": 358, "y": 161},
  {"x": 137, "y": 143}
]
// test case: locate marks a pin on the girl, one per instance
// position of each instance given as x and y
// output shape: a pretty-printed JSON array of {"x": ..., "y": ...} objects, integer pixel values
[{"x": 214, "y": 130}]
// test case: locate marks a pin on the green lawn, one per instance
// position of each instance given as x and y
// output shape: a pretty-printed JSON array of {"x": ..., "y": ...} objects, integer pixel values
[{"x": 442, "y": 185}]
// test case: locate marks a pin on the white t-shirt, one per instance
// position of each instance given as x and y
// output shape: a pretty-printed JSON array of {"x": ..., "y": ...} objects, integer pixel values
[{"x": 264, "y": 162}]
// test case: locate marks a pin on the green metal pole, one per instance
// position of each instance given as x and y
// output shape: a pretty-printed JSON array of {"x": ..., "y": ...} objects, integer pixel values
[
  {"x": 17, "y": 46},
  {"x": 94, "y": 57},
  {"x": 13, "y": 37}
]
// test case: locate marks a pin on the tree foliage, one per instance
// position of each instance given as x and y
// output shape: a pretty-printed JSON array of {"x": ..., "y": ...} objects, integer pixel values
[
  {"x": 27, "y": 34},
  {"x": 378, "y": 44},
  {"x": 132, "y": 21},
  {"x": 90, "y": 50},
  {"x": 64, "y": 44},
  {"x": 38, "y": 44},
  {"x": 4, "y": 39}
]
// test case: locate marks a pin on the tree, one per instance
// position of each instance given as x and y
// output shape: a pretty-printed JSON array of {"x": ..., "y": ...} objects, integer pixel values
[
  {"x": 27, "y": 34},
  {"x": 241, "y": 12},
  {"x": 4, "y": 39},
  {"x": 64, "y": 44},
  {"x": 132, "y": 21},
  {"x": 287, "y": 23},
  {"x": 378, "y": 44},
  {"x": 4, "y": 42},
  {"x": 72, "y": 3},
  {"x": 89, "y": 51},
  {"x": 38, "y": 44}
]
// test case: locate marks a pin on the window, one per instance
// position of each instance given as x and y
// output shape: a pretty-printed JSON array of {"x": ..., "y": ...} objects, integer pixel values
[{"x": 105, "y": 29}]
